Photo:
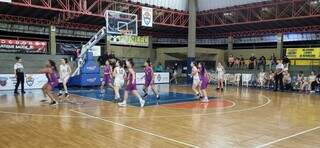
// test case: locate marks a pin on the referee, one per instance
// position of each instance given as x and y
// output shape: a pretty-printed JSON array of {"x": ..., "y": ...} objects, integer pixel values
[{"x": 19, "y": 74}]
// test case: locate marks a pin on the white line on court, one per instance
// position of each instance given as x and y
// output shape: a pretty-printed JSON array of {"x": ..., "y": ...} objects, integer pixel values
[
  {"x": 135, "y": 129},
  {"x": 288, "y": 137}
]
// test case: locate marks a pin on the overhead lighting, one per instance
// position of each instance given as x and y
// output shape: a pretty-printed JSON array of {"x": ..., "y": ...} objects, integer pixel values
[
  {"x": 315, "y": 2},
  {"x": 227, "y": 14}
]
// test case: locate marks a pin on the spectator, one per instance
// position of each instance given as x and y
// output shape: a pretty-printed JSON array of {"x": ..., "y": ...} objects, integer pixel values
[
  {"x": 237, "y": 62},
  {"x": 286, "y": 61},
  {"x": 261, "y": 79},
  {"x": 317, "y": 84},
  {"x": 174, "y": 73},
  {"x": 242, "y": 63},
  {"x": 159, "y": 68},
  {"x": 300, "y": 80},
  {"x": 102, "y": 59},
  {"x": 271, "y": 79},
  {"x": 252, "y": 61},
  {"x": 266, "y": 79},
  {"x": 230, "y": 60},
  {"x": 287, "y": 80},
  {"x": 312, "y": 82},
  {"x": 279, "y": 76},
  {"x": 273, "y": 60},
  {"x": 262, "y": 62}
]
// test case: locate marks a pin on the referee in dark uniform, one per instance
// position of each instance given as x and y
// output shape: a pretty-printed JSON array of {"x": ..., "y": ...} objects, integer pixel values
[{"x": 19, "y": 73}]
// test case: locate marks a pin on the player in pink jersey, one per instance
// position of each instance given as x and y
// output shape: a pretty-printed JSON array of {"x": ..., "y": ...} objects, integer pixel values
[
  {"x": 52, "y": 74},
  {"x": 107, "y": 75},
  {"x": 149, "y": 80},
  {"x": 131, "y": 85}
]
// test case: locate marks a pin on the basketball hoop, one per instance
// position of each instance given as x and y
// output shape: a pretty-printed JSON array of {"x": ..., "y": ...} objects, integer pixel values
[{"x": 126, "y": 32}]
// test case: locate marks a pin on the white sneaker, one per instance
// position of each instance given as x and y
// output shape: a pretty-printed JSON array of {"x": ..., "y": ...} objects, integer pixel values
[
  {"x": 122, "y": 104},
  {"x": 142, "y": 102},
  {"x": 205, "y": 101}
]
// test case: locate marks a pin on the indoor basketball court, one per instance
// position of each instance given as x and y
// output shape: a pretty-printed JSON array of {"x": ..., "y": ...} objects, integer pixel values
[{"x": 159, "y": 73}]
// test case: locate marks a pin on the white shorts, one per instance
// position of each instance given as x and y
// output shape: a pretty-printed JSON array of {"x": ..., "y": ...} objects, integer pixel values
[
  {"x": 196, "y": 82},
  {"x": 118, "y": 83},
  {"x": 64, "y": 79}
]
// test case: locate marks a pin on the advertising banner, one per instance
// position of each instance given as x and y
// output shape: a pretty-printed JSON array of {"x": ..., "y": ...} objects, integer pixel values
[
  {"x": 68, "y": 49},
  {"x": 147, "y": 17},
  {"x": 303, "y": 53},
  {"x": 159, "y": 78},
  {"x": 129, "y": 40},
  {"x": 32, "y": 81},
  {"x": 23, "y": 46}
]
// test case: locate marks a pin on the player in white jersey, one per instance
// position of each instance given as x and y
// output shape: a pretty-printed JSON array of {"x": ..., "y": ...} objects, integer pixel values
[
  {"x": 220, "y": 74},
  {"x": 65, "y": 72},
  {"x": 119, "y": 74},
  {"x": 196, "y": 78}
]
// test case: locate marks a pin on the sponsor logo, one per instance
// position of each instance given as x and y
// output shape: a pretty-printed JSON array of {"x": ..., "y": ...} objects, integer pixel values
[
  {"x": 29, "y": 80},
  {"x": 3, "y": 81},
  {"x": 91, "y": 80},
  {"x": 91, "y": 68},
  {"x": 147, "y": 18}
]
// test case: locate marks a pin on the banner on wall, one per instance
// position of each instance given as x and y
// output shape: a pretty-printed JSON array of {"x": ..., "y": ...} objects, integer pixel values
[
  {"x": 22, "y": 46},
  {"x": 159, "y": 78},
  {"x": 147, "y": 17},
  {"x": 129, "y": 40},
  {"x": 32, "y": 81},
  {"x": 68, "y": 49},
  {"x": 303, "y": 53}
]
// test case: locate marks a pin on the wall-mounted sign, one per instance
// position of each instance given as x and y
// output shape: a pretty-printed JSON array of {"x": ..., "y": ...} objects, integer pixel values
[
  {"x": 147, "y": 17},
  {"x": 303, "y": 53},
  {"x": 22, "y": 46},
  {"x": 129, "y": 40}
]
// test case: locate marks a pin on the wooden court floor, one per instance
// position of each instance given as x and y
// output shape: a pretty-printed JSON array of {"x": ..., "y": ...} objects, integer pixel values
[{"x": 255, "y": 118}]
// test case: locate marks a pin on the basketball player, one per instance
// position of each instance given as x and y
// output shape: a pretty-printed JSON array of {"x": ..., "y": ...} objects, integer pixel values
[
  {"x": 196, "y": 79},
  {"x": 220, "y": 72},
  {"x": 107, "y": 75},
  {"x": 52, "y": 74},
  {"x": 65, "y": 72},
  {"x": 119, "y": 75},
  {"x": 204, "y": 80},
  {"x": 131, "y": 85},
  {"x": 149, "y": 81}
]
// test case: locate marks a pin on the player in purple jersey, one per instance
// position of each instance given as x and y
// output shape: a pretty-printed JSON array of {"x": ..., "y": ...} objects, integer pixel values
[
  {"x": 131, "y": 85},
  {"x": 149, "y": 81},
  {"x": 52, "y": 74},
  {"x": 107, "y": 75},
  {"x": 204, "y": 81}
]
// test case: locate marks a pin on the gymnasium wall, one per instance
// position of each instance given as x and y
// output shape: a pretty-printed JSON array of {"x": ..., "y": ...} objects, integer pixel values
[
  {"x": 212, "y": 54},
  {"x": 32, "y": 62},
  {"x": 246, "y": 53}
]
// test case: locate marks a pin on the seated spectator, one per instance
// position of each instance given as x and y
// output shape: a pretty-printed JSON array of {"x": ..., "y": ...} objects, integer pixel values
[
  {"x": 230, "y": 60},
  {"x": 242, "y": 63},
  {"x": 237, "y": 62},
  {"x": 300, "y": 80},
  {"x": 287, "y": 80},
  {"x": 266, "y": 79},
  {"x": 252, "y": 62},
  {"x": 317, "y": 84},
  {"x": 271, "y": 79}
]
